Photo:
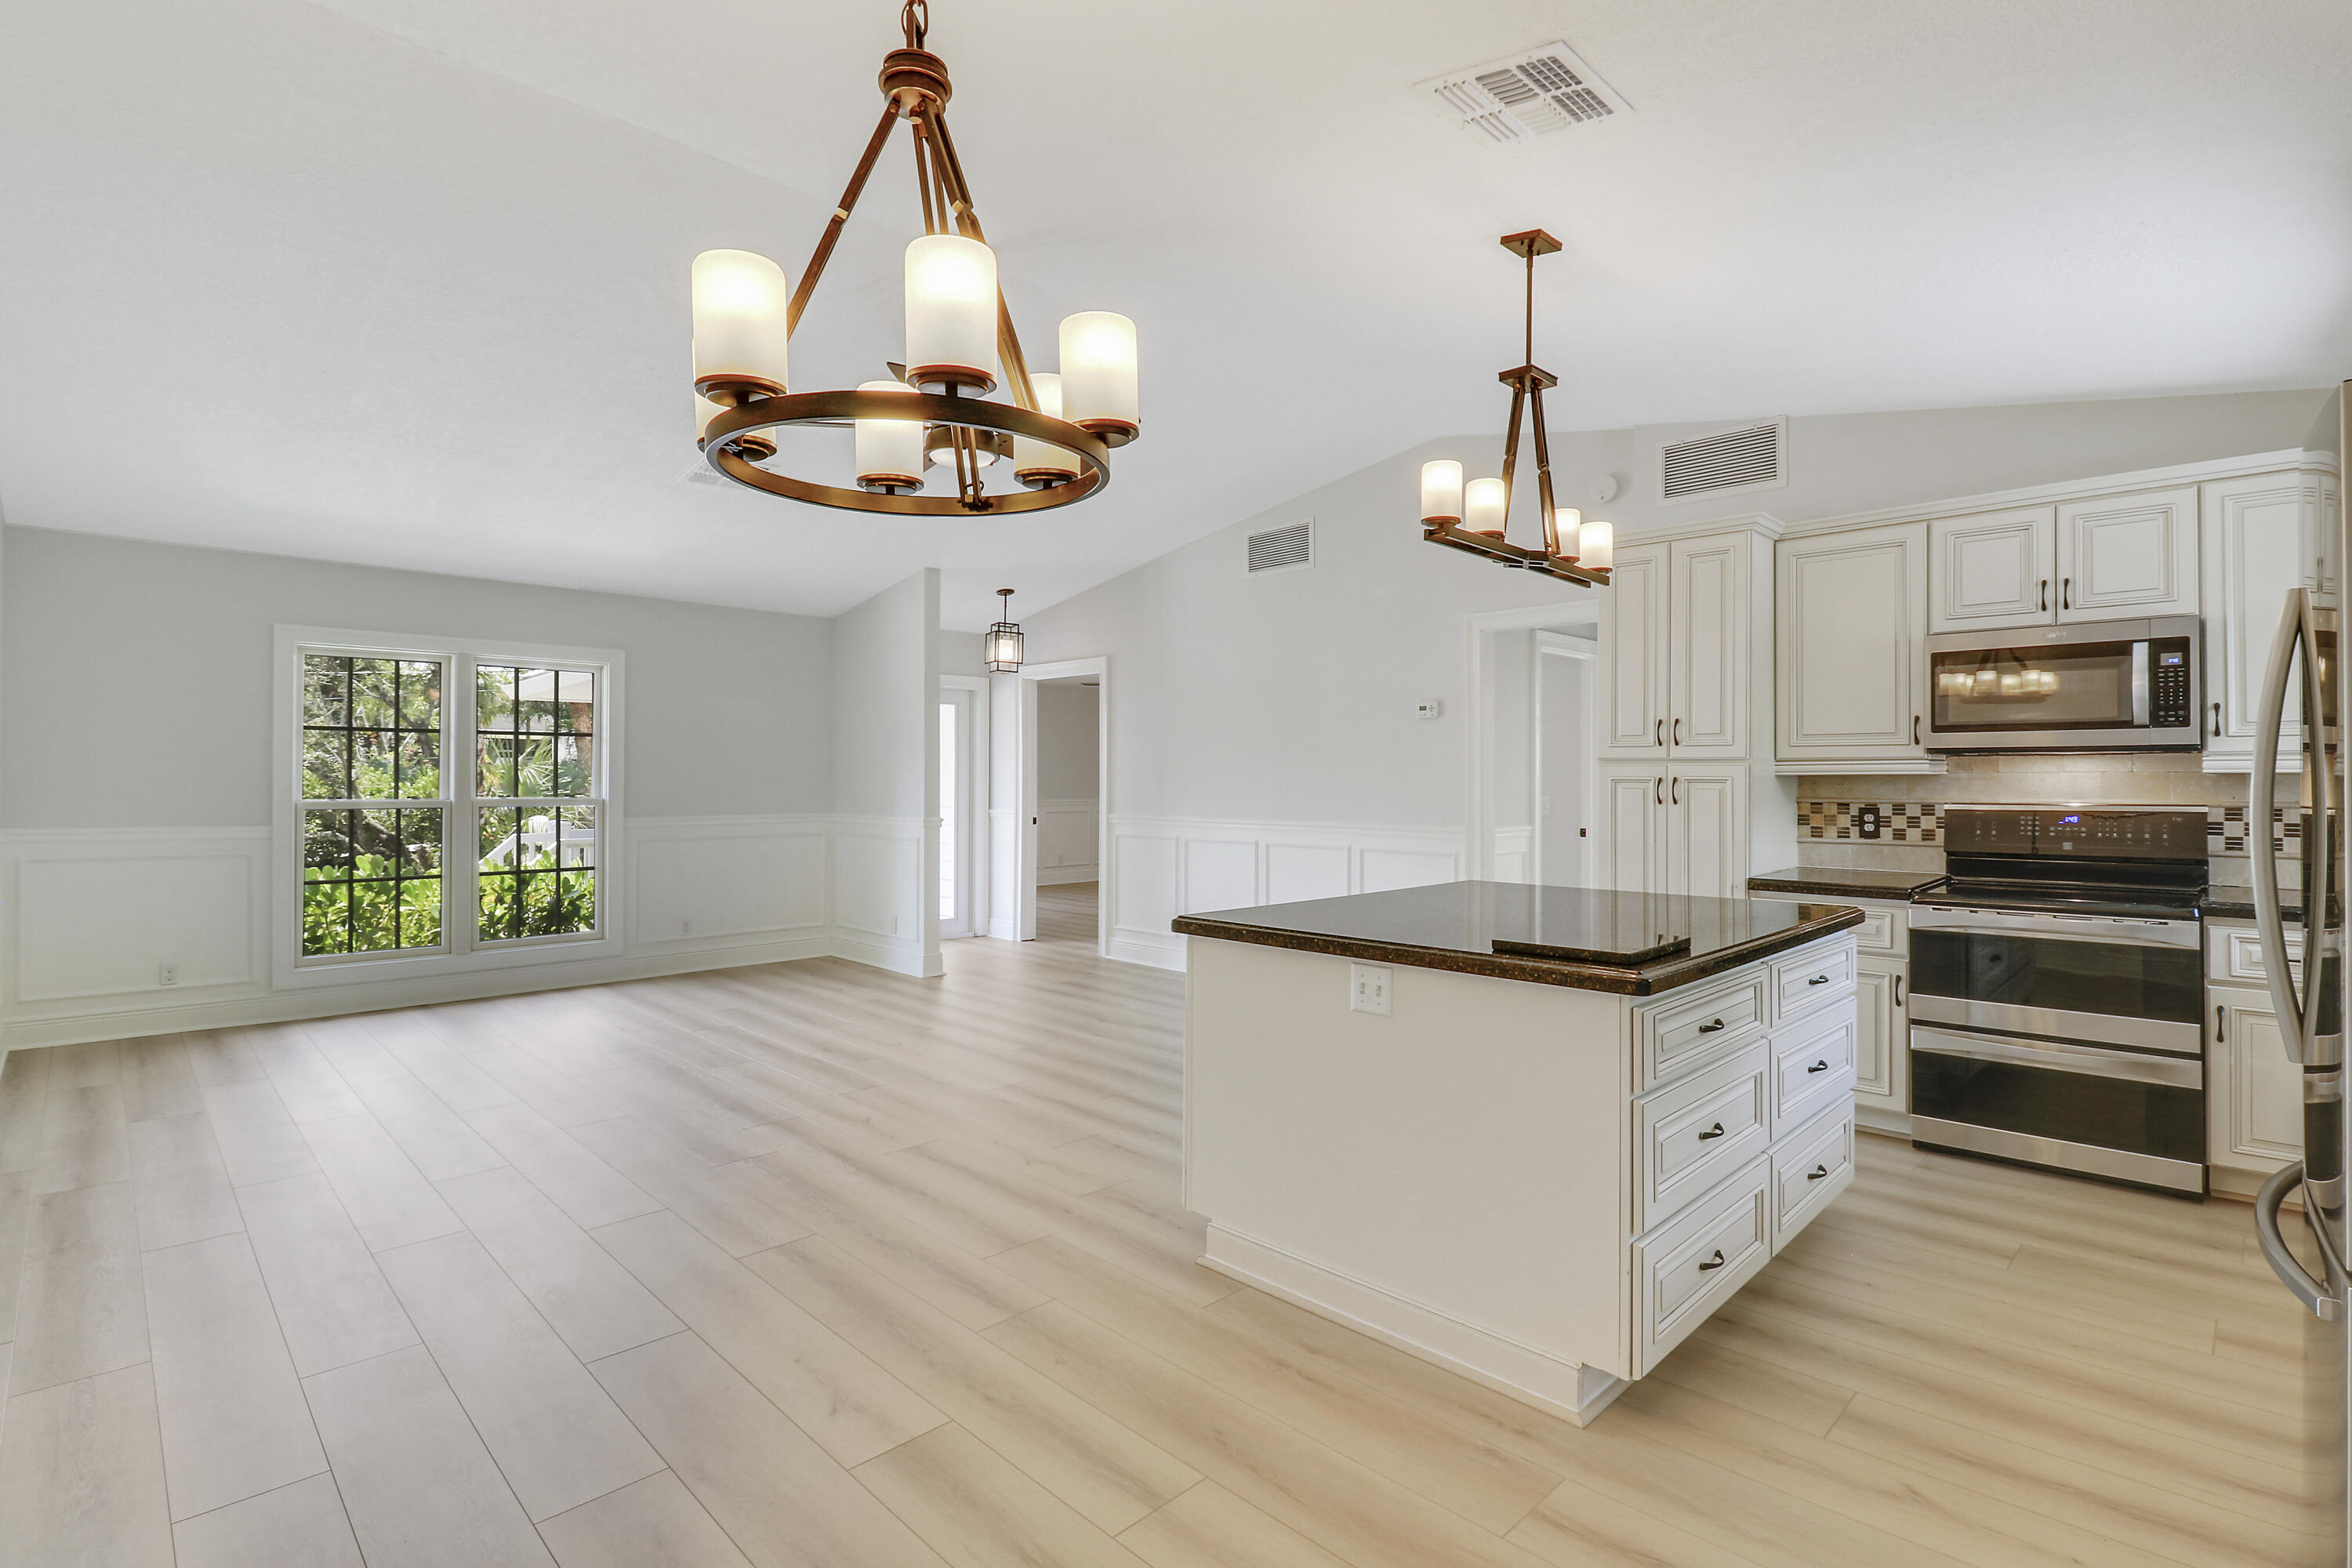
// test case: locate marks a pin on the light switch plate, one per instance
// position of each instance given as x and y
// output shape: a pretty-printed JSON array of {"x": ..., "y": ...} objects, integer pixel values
[{"x": 1368, "y": 989}]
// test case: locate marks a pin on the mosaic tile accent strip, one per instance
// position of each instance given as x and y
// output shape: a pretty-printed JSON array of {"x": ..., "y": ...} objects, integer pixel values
[{"x": 1922, "y": 822}]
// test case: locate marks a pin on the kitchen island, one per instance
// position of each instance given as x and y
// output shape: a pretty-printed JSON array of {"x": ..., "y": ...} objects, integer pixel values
[{"x": 1536, "y": 1134}]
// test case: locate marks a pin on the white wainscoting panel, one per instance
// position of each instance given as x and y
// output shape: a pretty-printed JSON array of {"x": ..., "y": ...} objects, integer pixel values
[
  {"x": 1514, "y": 854},
  {"x": 701, "y": 879},
  {"x": 1065, "y": 841},
  {"x": 1164, "y": 866},
  {"x": 94, "y": 917},
  {"x": 878, "y": 892}
]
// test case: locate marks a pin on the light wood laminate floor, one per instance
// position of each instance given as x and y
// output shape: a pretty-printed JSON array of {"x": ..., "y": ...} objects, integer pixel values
[{"x": 810, "y": 1264}]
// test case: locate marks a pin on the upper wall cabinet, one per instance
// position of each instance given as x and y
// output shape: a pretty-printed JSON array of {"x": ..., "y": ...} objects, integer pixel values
[
  {"x": 1637, "y": 651},
  {"x": 2264, "y": 535},
  {"x": 1994, "y": 569},
  {"x": 1851, "y": 618},
  {"x": 2123, "y": 557}
]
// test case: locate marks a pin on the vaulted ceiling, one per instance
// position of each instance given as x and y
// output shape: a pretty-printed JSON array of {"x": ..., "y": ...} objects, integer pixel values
[{"x": 403, "y": 281}]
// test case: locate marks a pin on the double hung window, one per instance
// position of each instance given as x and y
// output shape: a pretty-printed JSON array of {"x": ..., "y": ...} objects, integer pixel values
[{"x": 447, "y": 802}]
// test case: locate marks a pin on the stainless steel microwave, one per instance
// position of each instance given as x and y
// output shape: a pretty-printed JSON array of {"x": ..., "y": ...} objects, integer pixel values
[{"x": 2098, "y": 685}]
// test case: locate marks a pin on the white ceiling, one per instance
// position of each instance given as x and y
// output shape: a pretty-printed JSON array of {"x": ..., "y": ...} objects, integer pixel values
[{"x": 403, "y": 281}]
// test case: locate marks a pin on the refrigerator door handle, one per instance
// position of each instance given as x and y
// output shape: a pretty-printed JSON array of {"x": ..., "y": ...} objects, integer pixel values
[
  {"x": 2262, "y": 790},
  {"x": 2321, "y": 1301}
]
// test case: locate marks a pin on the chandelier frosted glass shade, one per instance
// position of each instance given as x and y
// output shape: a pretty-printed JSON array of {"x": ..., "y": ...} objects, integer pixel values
[
  {"x": 936, "y": 419},
  {"x": 741, "y": 339},
  {"x": 1440, "y": 490},
  {"x": 1486, "y": 503}
]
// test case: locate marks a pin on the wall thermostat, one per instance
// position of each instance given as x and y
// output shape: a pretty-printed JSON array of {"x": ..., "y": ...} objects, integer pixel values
[{"x": 1429, "y": 710}]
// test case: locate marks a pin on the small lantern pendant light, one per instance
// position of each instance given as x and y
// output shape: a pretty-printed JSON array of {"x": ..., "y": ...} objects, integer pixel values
[
  {"x": 1002, "y": 647},
  {"x": 1473, "y": 516}
]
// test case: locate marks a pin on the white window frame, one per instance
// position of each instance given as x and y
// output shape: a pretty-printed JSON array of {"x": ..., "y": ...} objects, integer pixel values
[{"x": 463, "y": 951}]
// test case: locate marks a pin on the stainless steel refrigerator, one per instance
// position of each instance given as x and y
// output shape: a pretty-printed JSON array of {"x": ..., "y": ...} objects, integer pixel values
[{"x": 2306, "y": 1249}]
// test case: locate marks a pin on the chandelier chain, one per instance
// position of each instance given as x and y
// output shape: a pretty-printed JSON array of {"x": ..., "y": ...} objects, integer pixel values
[{"x": 915, "y": 19}]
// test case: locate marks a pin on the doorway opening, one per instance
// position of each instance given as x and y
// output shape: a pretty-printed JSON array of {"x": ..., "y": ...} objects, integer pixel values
[
  {"x": 1532, "y": 776},
  {"x": 963, "y": 786},
  {"x": 1050, "y": 803},
  {"x": 1069, "y": 805}
]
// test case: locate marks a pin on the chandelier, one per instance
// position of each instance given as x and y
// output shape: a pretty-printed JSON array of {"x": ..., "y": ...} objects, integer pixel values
[
  {"x": 1053, "y": 436},
  {"x": 1475, "y": 515}
]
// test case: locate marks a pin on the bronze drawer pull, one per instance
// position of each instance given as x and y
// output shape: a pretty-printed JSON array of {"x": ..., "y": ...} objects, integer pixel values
[
  {"x": 1819, "y": 980},
  {"x": 1711, "y": 1028},
  {"x": 1817, "y": 1173},
  {"x": 1714, "y": 1132},
  {"x": 1714, "y": 1262},
  {"x": 1819, "y": 1066}
]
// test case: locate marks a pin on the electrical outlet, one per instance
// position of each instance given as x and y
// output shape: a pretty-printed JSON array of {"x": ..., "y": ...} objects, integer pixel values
[
  {"x": 1867, "y": 822},
  {"x": 686, "y": 927},
  {"x": 167, "y": 974},
  {"x": 894, "y": 925},
  {"x": 1368, "y": 989}
]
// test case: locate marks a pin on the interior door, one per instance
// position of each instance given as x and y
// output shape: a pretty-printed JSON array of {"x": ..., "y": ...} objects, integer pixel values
[
  {"x": 1704, "y": 844},
  {"x": 1852, "y": 611},
  {"x": 1995, "y": 569},
  {"x": 2128, "y": 555},
  {"x": 1707, "y": 634},
  {"x": 1638, "y": 659}
]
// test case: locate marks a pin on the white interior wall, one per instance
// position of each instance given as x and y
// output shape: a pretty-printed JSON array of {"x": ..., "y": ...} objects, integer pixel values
[
  {"x": 1509, "y": 732},
  {"x": 1263, "y": 736},
  {"x": 886, "y": 787}
]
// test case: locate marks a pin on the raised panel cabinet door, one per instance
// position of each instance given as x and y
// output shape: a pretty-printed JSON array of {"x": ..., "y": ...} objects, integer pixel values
[
  {"x": 2258, "y": 534},
  {"x": 1637, "y": 652},
  {"x": 1994, "y": 569},
  {"x": 1881, "y": 1035},
  {"x": 1633, "y": 828},
  {"x": 2128, "y": 555},
  {"x": 1707, "y": 642},
  {"x": 1851, "y": 619},
  {"x": 2255, "y": 1101},
  {"x": 1704, "y": 848}
]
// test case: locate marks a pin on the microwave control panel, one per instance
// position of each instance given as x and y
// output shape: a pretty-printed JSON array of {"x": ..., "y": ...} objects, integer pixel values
[{"x": 2168, "y": 699}]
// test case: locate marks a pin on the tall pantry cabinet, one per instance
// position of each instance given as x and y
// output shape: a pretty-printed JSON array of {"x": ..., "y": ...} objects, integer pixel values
[{"x": 1691, "y": 803}]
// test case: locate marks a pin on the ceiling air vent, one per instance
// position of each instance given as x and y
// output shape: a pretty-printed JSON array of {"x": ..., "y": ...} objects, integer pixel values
[
  {"x": 1529, "y": 94},
  {"x": 1745, "y": 458},
  {"x": 1283, "y": 549}
]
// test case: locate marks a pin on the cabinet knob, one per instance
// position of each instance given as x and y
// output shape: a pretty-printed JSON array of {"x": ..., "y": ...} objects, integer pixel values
[
  {"x": 1711, "y": 1028},
  {"x": 1714, "y": 1262},
  {"x": 1817, "y": 1173},
  {"x": 1714, "y": 1132}
]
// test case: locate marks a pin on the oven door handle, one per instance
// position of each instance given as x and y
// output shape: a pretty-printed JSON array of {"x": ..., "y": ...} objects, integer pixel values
[
  {"x": 2174, "y": 1071},
  {"x": 2061, "y": 927}
]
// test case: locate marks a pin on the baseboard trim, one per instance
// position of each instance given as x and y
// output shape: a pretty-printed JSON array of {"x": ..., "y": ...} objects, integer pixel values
[
  {"x": 1574, "y": 1393},
  {"x": 1159, "y": 950},
  {"x": 287, "y": 1006},
  {"x": 1055, "y": 876},
  {"x": 1892, "y": 1123},
  {"x": 896, "y": 957}
]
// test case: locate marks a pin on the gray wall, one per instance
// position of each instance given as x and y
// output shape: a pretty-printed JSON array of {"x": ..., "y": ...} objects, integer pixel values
[
  {"x": 1288, "y": 697},
  {"x": 886, "y": 702},
  {"x": 138, "y": 681},
  {"x": 1068, "y": 742}
]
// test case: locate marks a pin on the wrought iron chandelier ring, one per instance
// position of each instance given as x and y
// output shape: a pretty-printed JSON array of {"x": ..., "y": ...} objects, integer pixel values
[{"x": 742, "y": 427}]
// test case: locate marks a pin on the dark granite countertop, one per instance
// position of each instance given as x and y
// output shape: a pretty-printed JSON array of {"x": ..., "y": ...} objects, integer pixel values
[
  {"x": 1458, "y": 926},
  {"x": 1845, "y": 882},
  {"x": 2226, "y": 909}
]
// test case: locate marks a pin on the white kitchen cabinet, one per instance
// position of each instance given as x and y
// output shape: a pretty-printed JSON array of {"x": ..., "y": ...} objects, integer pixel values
[
  {"x": 2262, "y": 538},
  {"x": 1708, "y": 651},
  {"x": 1638, "y": 661},
  {"x": 2126, "y": 556},
  {"x": 1994, "y": 569},
  {"x": 1633, "y": 828},
  {"x": 2253, "y": 1094},
  {"x": 1851, "y": 623},
  {"x": 1706, "y": 836},
  {"x": 1882, "y": 1037}
]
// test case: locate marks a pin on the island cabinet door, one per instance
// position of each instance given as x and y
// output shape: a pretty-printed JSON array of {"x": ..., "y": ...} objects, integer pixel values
[{"x": 1633, "y": 828}]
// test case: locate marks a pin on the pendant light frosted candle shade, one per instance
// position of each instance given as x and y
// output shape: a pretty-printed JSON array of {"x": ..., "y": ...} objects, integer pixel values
[
  {"x": 1038, "y": 464},
  {"x": 1568, "y": 524},
  {"x": 1098, "y": 375},
  {"x": 741, "y": 326},
  {"x": 890, "y": 451},
  {"x": 1001, "y": 647},
  {"x": 1598, "y": 547},
  {"x": 1484, "y": 503},
  {"x": 1441, "y": 492},
  {"x": 951, "y": 313}
]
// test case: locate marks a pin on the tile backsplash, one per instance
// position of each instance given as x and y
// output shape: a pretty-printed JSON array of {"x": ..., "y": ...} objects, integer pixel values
[{"x": 1911, "y": 807}]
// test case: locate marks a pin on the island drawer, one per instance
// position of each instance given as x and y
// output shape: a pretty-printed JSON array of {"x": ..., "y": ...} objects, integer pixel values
[
  {"x": 1687, "y": 1268},
  {"x": 1679, "y": 1032},
  {"x": 1689, "y": 1135},
  {"x": 1812, "y": 1064},
  {"x": 1803, "y": 980},
  {"x": 1809, "y": 1167}
]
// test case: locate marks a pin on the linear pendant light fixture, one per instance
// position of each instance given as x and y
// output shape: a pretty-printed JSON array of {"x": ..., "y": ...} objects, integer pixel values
[
  {"x": 1057, "y": 429},
  {"x": 1475, "y": 515}
]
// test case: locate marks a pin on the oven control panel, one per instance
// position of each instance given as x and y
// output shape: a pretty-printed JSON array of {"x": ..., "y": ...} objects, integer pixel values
[
  {"x": 2170, "y": 701},
  {"x": 2076, "y": 832}
]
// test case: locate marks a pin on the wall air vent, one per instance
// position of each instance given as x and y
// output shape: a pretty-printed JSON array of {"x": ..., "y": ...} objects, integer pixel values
[
  {"x": 1283, "y": 549},
  {"x": 1532, "y": 93},
  {"x": 1743, "y": 457}
]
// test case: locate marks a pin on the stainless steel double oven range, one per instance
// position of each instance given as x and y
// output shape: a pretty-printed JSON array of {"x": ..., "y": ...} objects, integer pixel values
[{"x": 2058, "y": 993}]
